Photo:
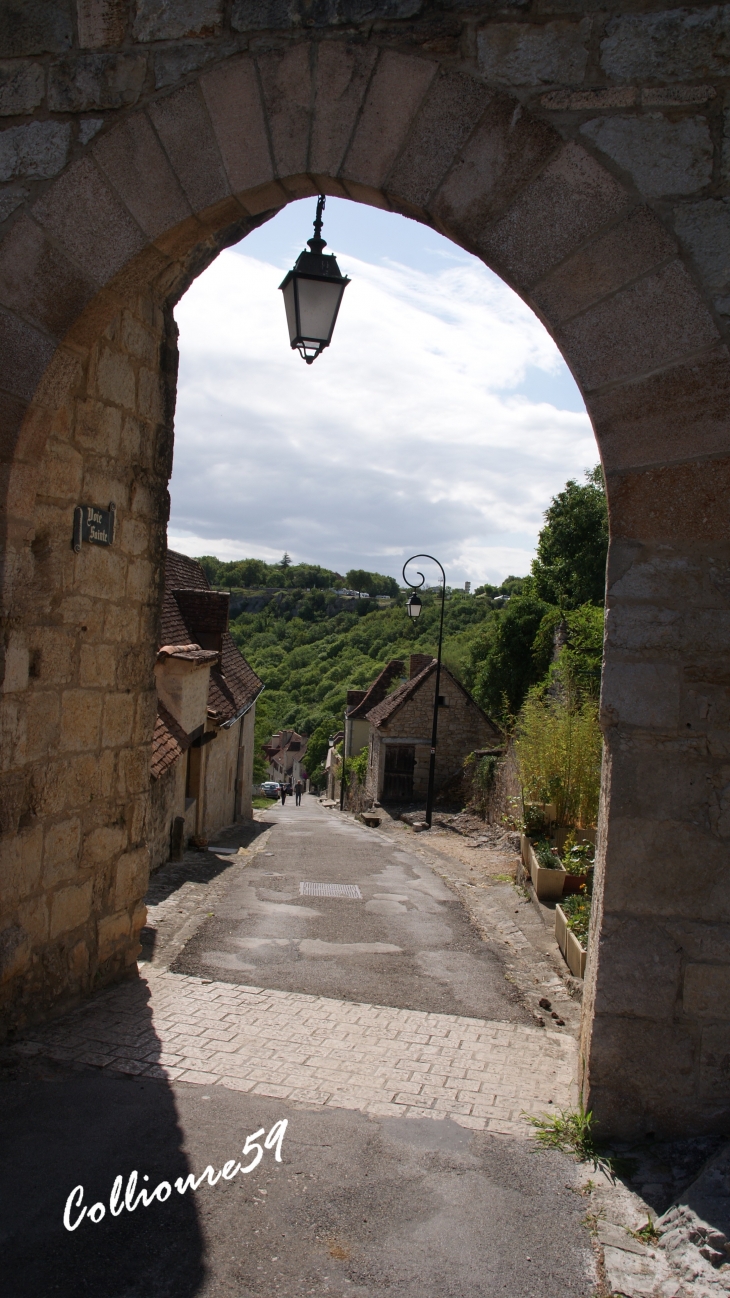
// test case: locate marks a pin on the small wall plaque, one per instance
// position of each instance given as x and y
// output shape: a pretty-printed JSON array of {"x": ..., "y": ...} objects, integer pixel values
[{"x": 94, "y": 525}]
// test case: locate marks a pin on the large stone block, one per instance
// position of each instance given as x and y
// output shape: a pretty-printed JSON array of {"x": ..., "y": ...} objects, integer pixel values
[
  {"x": 35, "y": 151},
  {"x": 131, "y": 877},
  {"x": 613, "y": 259},
  {"x": 341, "y": 79},
  {"x": 62, "y": 471},
  {"x": 522, "y": 54},
  {"x": 24, "y": 355},
  {"x": 169, "y": 20},
  {"x": 100, "y": 22},
  {"x": 98, "y": 427},
  {"x": 20, "y": 864},
  {"x": 640, "y": 694},
  {"x": 81, "y": 83},
  {"x": 70, "y": 907},
  {"x": 80, "y": 720},
  {"x": 704, "y": 229},
  {"x": 112, "y": 933},
  {"x": 449, "y": 114},
  {"x": 103, "y": 845},
  {"x": 42, "y": 714},
  {"x": 380, "y": 133},
  {"x": 34, "y": 919},
  {"x": 178, "y": 119},
  {"x": 682, "y": 412},
  {"x": 98, "y": 665},
  {"x": 706, "y": 991},
  {"x": 115, "y": 379},
  {"x": 671, "y": 45},
  {"x": 38, "y": 280},
  {"x": 642, "y": 1076},
  {"x": 231, "y": 93},
  {"x": 662, "y": 504},
  {"x": 286, "y": 83},
  {"x": 14, "y": 951},
  {"x": 118, "y": 720},
  {"x": 571, "y": 198},
  {"x": 132, "y": 159},
  {"x": 35, "y": 27},
  {"x": 61, "y": 851},
  {"x": 660, "y": 319},
  {"x": 661, "y": 156},
  {"x": 21, "y": 87},
  {"x": 90, "y": 222},
  {"x": 645, "y": 969},
  {"x": 263, "y": 15},
  {"x": 503, "y": 153},
  {"x": 715, "y": 1062}
]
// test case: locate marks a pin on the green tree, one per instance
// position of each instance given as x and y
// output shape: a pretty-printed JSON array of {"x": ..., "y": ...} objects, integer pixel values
[
  {"x": 570, "y": 566},
  {"x": 505, "y": 662},
  {"x": 375, "y": 583},
  {"x": 285, "y": 560}
]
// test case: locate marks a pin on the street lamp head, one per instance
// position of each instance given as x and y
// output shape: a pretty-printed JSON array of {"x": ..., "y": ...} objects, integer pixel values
[
  {"x": 312, "y": 294},
  {"x": 414, "y": 606}
]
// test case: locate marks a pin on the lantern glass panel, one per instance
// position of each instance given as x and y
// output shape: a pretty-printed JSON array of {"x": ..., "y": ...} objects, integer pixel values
[
  {"x": 291, "y": 310},
  {"x": 318, "y": 304}
]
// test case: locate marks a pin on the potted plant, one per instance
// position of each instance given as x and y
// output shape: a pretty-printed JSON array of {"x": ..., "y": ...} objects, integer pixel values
[
  {"x": 572, "y": 922},
  {"x": 578, "y": 858},
  {"x": 546, "y": 871}
]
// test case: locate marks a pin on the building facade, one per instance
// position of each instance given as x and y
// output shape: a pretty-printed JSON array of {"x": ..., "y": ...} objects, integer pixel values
[
  {"x": 399, "y": 741},
  {"x": 203, "y": 744}
]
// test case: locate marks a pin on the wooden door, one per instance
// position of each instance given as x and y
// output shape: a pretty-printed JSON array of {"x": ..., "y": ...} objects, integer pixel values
[{"x": 399, "y": 762}]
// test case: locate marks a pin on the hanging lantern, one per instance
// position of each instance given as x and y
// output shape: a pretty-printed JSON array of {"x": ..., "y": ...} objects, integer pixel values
[{"x": 312, "y": 295}]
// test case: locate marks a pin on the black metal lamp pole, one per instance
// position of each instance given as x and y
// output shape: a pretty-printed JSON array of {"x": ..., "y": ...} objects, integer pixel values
[{"x": 414, "y": 609}]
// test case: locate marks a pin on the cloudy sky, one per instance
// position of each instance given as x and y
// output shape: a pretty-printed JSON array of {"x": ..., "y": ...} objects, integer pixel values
[{"x": 441, "y": 418}]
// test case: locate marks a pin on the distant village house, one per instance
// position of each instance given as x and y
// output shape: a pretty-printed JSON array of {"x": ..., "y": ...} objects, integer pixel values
[
  {"x": 203, "y": 743},
  {"x": 285, "y": 753},
  {"x": 395, "y": 725}
]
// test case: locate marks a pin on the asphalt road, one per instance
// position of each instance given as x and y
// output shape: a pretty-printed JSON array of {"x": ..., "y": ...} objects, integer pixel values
[
  {"x": 408, "y": 942},
  {"x": 356, "y": 1209},
  {"x": 360, "y": 1206}
]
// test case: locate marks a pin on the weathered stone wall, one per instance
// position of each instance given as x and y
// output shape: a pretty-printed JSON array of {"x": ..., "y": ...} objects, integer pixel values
[{"x": 584, "y": 154}]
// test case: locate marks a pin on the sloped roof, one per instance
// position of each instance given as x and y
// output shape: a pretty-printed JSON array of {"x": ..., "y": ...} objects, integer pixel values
[
  {"x": 378, "y": 689},
  {"x": 234, "y": 685},
  {"x": 393, "y": 702},
  {"x": 169, "y": 742}
]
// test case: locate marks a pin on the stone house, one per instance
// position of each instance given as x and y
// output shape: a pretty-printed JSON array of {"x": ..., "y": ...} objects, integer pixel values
[
  {"x": 203, "y": 744},
  {"x": 285, "y": 754},
  {"x": 399, "y": 730}
]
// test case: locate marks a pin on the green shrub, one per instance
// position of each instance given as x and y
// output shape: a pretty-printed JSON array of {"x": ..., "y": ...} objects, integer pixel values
[
  {"x": 546, "y": 857},
  {"x": 577, "y": 911},
  {"x": 558, "y": 746}
]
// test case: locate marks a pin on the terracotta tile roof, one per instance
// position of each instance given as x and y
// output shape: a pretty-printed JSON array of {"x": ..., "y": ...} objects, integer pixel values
[
  {"x": 190, "y": 652},
  {"x": 392, "y": 702},
  {"x": 390, "y": 705},
  {"x": 379, "y": 688},
  {"x": 233, "y": 685},
  {"x": 169, "y": 742}
]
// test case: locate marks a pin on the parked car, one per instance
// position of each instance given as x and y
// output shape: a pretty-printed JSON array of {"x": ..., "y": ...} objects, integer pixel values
[{"x": 270, "y": 788}]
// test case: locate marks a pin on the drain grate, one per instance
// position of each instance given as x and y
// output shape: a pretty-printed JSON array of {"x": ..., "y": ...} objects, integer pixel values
[{"x": 351, "y": 890}]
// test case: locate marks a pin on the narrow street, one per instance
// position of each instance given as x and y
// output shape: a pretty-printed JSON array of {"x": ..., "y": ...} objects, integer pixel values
[{"x": 381, "y": 1026}]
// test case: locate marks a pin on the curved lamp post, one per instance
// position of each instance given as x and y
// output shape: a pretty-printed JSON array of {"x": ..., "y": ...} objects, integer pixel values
[
  {"x": 413, "y": 608},
  {"x": 312, "y": 295}
]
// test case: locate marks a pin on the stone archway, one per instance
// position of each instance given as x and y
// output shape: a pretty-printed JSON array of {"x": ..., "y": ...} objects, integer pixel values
[{"x": 91, "y": 263}]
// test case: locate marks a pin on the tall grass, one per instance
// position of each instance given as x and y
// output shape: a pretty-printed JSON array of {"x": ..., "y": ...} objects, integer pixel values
[{"x": 558, "y": 747}]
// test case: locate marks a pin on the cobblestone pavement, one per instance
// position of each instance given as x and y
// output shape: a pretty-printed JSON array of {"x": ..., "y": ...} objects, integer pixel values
[{"x": 382, "y": 1061}]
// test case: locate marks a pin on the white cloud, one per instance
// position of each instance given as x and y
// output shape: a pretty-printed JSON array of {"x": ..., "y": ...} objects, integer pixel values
[{"x": 413, "y": 431}]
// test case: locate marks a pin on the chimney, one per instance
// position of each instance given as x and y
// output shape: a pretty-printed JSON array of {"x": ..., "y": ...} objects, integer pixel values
[
  {"x": 205, "y": 614},
  {"x": 354, "y": 697},
  {"x": 418, "y": 662}
]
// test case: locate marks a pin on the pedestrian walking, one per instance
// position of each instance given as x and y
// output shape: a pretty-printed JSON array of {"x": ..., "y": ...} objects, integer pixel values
[
  {"x": 283, "y": 791},
  {"x": 298, "y": 790}
]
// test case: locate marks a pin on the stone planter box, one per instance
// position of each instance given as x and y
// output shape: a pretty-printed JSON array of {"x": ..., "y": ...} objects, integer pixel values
[
  {"x": 573, "y": 883},
  {"x": 571, "y": 949},
  {"x": 548, "y": 884}
]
